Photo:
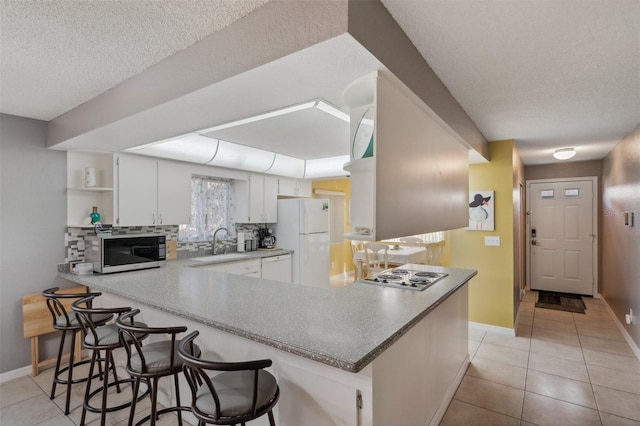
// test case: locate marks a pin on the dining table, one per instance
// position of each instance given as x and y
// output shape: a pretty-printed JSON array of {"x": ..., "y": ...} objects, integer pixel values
[{"x": 399, "y": 256}]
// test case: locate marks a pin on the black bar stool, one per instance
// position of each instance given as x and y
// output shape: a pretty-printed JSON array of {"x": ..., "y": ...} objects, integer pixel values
[
  {"x": 97, "y": 338},
  {"x": 243, "y": 392},
  {"x": 67, "y": 322},
  {"x": 151, "y": 362}
]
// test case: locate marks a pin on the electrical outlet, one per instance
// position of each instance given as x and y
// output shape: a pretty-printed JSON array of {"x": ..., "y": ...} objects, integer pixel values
[
  {"x": 629, "y": 317},
  {"x": 492, "y": 241}
]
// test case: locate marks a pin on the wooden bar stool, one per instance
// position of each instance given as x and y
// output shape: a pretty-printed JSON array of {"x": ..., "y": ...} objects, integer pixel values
[
  {"x": 243, "y": 391},
  {"x": 67, "y": 322},
  {"x": 151, "y": 362},
  {"x": 101, "y": 338}
]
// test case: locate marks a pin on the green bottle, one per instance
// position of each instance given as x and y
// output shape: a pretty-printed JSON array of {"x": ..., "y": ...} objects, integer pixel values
[{"x": 95, "y": 216}]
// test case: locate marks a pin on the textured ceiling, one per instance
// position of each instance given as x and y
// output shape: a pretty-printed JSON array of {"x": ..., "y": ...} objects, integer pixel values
[
  {"x": 548, "y": 74},
  {"x": 56, "y": 55}
]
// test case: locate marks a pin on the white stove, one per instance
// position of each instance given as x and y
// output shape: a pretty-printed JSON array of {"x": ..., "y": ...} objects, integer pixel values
[{"x": 408, "y": 279}]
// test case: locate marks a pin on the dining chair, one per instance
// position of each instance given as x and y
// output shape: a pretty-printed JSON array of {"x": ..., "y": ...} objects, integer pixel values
[
  {"x": 376, "y": 262},
  {"x": 413, "y": 241},
  {"x": 436, "y": 252},
  {"x": 360, "y": 264}
]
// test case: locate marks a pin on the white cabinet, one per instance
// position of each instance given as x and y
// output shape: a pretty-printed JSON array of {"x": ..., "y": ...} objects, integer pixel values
[
  {"x": 270, "y": 199},
  {"x": 256, "y": 199},
  {"x": 137, "y": 195},
  {"x": 81, "y": 199},
  {"x": 249, "y": 267},
  {"x": 174, "y": 193},
  {"x": 277, "y": 268},
  {"x": 152, "y": 192},
  {"x": 294, "y": 188}
]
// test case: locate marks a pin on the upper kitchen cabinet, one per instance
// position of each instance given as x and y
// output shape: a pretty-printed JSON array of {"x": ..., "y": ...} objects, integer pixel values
[
  {"x": 256, "y": 199},
  {"x": 87, "y": 191},
  {"x": 294, "y": 188},
  {"x": 415, "y": 177},
  {"x": 152, "y": 192},
  {"x": 174, "y": 193}
]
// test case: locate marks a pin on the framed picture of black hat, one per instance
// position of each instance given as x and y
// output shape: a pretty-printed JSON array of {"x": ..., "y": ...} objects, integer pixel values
[{"x": 481, "y": 212}]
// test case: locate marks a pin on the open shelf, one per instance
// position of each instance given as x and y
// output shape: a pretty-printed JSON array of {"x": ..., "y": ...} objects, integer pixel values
[{"x": 360, "y": 165}]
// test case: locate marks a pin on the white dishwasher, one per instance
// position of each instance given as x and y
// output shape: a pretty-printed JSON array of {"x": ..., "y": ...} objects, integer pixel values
[{"x": 277, "y": 268}]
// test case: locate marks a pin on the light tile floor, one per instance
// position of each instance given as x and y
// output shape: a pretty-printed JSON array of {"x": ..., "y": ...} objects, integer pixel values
[{"x": 559, "y": 369}]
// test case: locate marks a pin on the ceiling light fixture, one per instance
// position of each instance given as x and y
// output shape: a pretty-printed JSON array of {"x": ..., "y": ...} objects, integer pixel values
[
  {"x": 236, "y": 156},
  {"x": 284, "y": 165},
  {"x": 198, "y": 148},
  {"x": 326, "y": 167},
  {"x": 317, "y": 103},
  {"x": 564, "y": 153},
  {"x": 191, "y": 147},
  {"x": 330, "y": 109}
]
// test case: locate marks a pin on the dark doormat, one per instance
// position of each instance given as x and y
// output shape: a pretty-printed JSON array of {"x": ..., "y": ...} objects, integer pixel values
[{"x": 560, "y": 301}]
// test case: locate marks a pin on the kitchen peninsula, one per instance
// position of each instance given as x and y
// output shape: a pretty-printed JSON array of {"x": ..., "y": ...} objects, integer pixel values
[{"x": 356, "y": 355}]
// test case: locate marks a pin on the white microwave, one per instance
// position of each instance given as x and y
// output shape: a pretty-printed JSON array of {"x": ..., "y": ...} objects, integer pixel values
[{"x": 130, "y": 252}]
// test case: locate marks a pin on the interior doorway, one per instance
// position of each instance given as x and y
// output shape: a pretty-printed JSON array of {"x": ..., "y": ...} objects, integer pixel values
[
  {"x": 521, "y": 233},
  {"x": 562, "y": 240}
]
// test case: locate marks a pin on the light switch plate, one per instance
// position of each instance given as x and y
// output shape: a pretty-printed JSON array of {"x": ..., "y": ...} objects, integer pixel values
[{"x": 492, "y": 241}]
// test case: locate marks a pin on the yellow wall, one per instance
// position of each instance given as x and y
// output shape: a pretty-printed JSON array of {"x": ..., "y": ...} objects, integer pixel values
[
  {"x": 491, "y": 291},
  {"x": 339, "y": 254}
]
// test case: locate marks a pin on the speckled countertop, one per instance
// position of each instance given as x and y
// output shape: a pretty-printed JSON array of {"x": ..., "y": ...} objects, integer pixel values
[{"x": 346, "y": 327}]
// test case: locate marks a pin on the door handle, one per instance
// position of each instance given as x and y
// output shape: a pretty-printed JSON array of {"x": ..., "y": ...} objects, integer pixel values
[{"x": 534, "y": 243}]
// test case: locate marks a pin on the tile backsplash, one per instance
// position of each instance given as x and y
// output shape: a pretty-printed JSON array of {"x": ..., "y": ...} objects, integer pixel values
[{"x": 74, "y": 239}]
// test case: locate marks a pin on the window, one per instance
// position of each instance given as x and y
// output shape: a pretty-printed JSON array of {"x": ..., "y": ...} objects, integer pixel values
[
  {"x": 572, "y": 193},
  {"x": 547, "y": 193},
  {"x": 429, "y": 238},
  {"x": 211, "y": 208}
]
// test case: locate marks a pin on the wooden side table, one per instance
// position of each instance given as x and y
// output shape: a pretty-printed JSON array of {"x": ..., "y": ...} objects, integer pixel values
[{"x": 36, "y": 321}]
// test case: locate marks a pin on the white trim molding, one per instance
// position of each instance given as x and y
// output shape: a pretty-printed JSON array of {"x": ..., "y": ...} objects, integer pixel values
[
  {"x": 492, "y": 328},
  {"x": 15, "y": 374},
  {"x": 326, "y": 192},
  {"x": 627, "y": 336}
]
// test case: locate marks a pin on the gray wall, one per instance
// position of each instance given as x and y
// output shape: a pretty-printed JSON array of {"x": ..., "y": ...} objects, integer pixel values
[
  {"x": 620, "y": 285},
  {"x": 564, "y": 170},
  {"x": 33, "y": 211}
]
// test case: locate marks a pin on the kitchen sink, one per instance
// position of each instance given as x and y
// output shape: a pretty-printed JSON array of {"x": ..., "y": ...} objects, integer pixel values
[{"x": 220, "y": 257}]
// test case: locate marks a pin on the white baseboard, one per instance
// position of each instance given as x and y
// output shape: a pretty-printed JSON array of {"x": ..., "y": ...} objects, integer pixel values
[
  {"x": 492, "y": 328},
  {"x": 632, "y": 344},
  {"x": 15, "y": 374}
]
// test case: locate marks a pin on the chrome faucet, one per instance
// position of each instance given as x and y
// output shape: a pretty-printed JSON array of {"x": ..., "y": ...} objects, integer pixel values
[{"x": 214, "y": 238}]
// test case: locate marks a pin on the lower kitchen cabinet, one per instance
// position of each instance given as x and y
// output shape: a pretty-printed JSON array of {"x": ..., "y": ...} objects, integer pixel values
[
  {"x": 277, "y": 268},
  {"x": 249, "y": 267}
]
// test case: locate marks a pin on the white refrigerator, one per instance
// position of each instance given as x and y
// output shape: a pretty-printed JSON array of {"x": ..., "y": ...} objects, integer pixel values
[{"x": 303, "y": 226}]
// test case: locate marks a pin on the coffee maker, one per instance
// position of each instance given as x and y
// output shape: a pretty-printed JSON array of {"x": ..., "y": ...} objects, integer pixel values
[{"x": 266, "y": 239}]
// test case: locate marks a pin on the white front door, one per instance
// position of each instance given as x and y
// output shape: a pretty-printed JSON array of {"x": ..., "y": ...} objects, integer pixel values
[{"x": 562, "y": 234}]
